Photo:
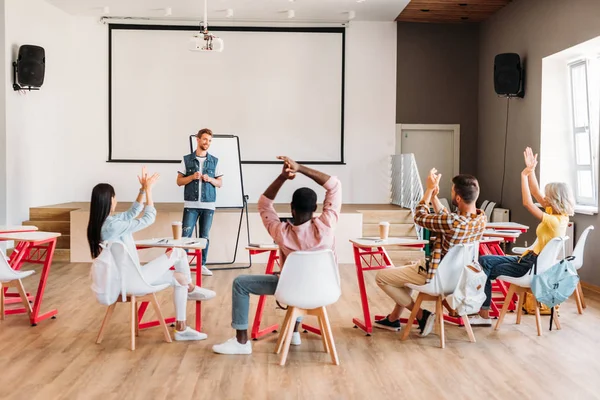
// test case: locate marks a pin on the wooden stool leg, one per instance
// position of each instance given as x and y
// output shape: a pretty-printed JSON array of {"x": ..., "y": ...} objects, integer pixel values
[
  {"x": 411, "y": 319},
  {"x": 1, "y": 301},
  {"x": 137, "y": 321},
  {"x": 133, "y": 321},
  {"x": 329, "y": 336},
  {"x": 440, "y": 318},
  {"x": 469, "y": 329},
  {"x": 23, "y": 295},
  {"x": 283, "y": 331},
  {"x": 509, "y": 295},
  {"x": 107, "y": 316},
  {"x": 323, "y": 336},
  {"x": 160, "y": 317},
  {"x": 288, "y": 336},
  {"x": 538, "y": 318},
  {"x": 578, "y": 301},
  {"x": 520, "y": 304},
  {"x": 556, "y": 319},
  {"x": 580, "y": 290}
]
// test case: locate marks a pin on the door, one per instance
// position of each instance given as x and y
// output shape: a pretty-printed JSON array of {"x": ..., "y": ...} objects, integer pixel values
[{"x": 434, "y": 146}]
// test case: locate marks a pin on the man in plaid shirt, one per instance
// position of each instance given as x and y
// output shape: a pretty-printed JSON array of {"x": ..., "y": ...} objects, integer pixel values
[{"x": 466, "y": 226}]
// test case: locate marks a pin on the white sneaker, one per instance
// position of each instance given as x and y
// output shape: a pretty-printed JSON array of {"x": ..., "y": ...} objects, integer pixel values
[
  {"x": 189, "y": 334},
  {"x": 232, "y": 346},
  {"x": 206, "y": 271},
  {"x": 200, "y": 294},
  {"x": 296, "y": 340},
  {"x": 478, "y": 320},
  {"x": 428, "y": 325}
]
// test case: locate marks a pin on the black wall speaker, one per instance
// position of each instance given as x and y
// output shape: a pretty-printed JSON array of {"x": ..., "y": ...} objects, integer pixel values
[
  {"x": 30, "y": 66},
  {"x": 508, "y": 75}
]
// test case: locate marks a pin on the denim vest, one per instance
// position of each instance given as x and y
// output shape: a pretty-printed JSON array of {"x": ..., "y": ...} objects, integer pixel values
[{"x": 192, "y": 165}]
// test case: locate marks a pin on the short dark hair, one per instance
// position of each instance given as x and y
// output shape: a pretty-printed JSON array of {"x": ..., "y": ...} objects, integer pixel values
[
  {"x": 203, "y": 131},
  {"x": 467, "y": 187},
  {"x": 304, "y": 200}
]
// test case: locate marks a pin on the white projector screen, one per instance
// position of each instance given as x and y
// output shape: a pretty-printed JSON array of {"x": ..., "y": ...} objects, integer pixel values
[{"x": 280, "y": 90}]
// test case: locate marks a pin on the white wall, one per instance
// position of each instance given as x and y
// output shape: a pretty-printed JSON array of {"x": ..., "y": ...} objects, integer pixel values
[
  {"x": 3, "y": 149},
  {"x": 369, "y": 123},
  {"x": 38, "y": 124},
  {"x": 58, "y": 140}
]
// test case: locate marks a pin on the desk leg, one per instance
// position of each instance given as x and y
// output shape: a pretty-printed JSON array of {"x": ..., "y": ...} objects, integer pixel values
[
  {"x": 199, "y": 284},
  {"x": 256, "y": 331},
  {"x": 367, "y": 325},
  {"x": 35, "y": 315}
]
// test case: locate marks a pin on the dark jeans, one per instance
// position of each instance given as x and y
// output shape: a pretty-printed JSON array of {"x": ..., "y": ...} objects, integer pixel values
[
  {"x": 204, "y": 218},
  {"x": 495, "y": 266}
]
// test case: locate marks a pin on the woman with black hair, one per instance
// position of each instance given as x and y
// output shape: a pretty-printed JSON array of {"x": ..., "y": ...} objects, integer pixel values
[{"x": 104, "y": 225}]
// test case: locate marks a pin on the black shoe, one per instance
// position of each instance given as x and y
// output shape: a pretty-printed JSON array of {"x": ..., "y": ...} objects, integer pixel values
[
  {"x": 387, "y": 324},
  {"x": 426, "y": 323}
]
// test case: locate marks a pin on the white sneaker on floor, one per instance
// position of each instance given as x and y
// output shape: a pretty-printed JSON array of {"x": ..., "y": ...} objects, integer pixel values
[
  {"x": 478, "y": 320},
  {"x": 232, "y": 346},
  {"x": 429, "y": 323},
  {"x": 206, "y": 271},
  {"x": 189, "y": 334},
  {"x": 200, "y": 294},
  {"x": 296, "y": 340}
]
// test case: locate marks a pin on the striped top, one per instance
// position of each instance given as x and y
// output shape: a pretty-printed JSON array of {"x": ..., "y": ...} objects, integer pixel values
[{"x": 453, "y": 228}]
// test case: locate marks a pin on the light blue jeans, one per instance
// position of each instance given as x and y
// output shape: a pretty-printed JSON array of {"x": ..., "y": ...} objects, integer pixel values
[{"x": 243, "y": 286}]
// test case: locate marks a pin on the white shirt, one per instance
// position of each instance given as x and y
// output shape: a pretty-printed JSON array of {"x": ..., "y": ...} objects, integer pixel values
[{"x": 200, "y": 204}]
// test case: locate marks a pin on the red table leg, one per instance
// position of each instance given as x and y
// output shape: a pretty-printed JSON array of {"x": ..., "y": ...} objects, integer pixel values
[
  {"x": 46, "y": 254},
  {"x": 256, "y": 331}
]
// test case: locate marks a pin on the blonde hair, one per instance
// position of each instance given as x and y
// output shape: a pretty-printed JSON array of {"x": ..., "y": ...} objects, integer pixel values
[{"x": 560, "y": 198}]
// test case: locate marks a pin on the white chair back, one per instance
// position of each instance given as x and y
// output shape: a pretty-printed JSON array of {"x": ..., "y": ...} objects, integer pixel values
[
  {"x": 131, "y": 273},
  {"x": 309, "y": 280},
  {"x": 448, "y": 272},
  {"x": 580, "y": 246},
  {"x": 484, "y": 205},
  {"x": 489, "y": 209},
  {"x": 8, "y": 274},
  {"x": 549, "y": 255}
]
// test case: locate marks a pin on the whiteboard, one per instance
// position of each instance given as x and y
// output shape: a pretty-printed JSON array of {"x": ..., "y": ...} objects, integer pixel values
[
  {"x": 226, "y": 149},
  {"x": 281, "y": 92}
]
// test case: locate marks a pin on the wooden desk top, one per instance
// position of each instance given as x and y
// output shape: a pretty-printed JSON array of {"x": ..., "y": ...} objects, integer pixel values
[
  {"x": 169, "y": 242},
  {"x": 17, "y": 228},
  {"x": 29, "y": 236},
  {"x": 376, "y": 242}
]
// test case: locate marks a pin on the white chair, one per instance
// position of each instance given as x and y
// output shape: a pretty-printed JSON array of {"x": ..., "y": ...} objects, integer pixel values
[
  {"x": 522, "y": 285},
  {"x": 489, "y": 209},
  {"x": 578, "y": 263},
  {"x": 137, "y": 291},
  {"x": 520, "y": 250},
  {"x": 484, "y": 205},
  {"x": 443, "y": 284},
  {"x": 11, "y": 278},
  {"x": 309, "y": 282}
]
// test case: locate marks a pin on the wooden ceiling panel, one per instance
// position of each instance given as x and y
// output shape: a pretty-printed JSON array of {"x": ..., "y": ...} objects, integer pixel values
[{"x": 450, "y": 11}]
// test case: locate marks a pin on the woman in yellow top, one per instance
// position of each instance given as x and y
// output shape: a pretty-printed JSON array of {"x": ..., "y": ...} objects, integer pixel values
[{"x": 558, "y": 205}]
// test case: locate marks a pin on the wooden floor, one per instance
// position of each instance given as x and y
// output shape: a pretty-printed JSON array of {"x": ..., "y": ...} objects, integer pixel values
[{"x": 58, "y": 359}]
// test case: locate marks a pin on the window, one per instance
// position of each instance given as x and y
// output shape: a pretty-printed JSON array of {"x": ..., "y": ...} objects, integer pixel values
[{"x": 585, "y": 113}]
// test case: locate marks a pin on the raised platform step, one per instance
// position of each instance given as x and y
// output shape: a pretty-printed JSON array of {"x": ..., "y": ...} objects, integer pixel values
[
  {"x": 399, "y": 216},
  {"x": 63, "y": 242},
  {"x": 62, "y": 227},
  {"x": 404, "y": 257},
  {"x": 396, "y": 230},
  {"x": 60, "y": 255},
  {"x": 50, "y": 213}
]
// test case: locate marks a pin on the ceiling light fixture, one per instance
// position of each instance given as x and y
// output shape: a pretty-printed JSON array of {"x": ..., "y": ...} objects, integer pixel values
[
  {"x": 229, "y": 13},
  {"x": 351, "y": 14},
  {"x": 106, "y": 10},
  {"x": 168, "y": 11},
  {"x": 204, "y": 40},
  {"x": 291, "y": 14}
]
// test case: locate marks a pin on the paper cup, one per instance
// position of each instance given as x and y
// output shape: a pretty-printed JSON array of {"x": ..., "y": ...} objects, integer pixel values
[
  {"x": 177, "y": 228},
  {"x": 384, "y": 230}
]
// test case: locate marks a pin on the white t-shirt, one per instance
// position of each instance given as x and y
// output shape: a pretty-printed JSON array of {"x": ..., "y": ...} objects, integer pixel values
[{"x": 200, "y": 204}]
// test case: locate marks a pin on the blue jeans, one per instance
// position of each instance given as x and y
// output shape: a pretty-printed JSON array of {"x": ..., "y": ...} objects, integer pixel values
[
  {"x": 495, "y": 266},
  {"x": 204, "y": 218},
  {"x": 243, "y": 286}
]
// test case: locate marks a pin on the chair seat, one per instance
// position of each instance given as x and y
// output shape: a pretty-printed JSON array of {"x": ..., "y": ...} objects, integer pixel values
[
  {"x": 151, "y": 289},
  {"x": 16, "y": 275},
  {"x": 519, "y": 250},
  {"x": 429, "y": 289},
  {"x": 524, "y": 281}
]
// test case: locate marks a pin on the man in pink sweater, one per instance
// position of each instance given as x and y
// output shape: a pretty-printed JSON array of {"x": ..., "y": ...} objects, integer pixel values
[{"x": 304, "y": 233}]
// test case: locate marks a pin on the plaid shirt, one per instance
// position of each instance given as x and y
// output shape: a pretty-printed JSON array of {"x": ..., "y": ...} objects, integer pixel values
[{"x": 453, "y": 228}]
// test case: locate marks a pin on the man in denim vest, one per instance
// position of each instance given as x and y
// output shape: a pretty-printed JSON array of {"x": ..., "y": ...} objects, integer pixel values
[{"x": 200, "y": 174}]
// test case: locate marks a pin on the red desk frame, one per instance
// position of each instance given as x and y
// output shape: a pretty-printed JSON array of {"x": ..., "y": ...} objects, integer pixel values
[{"x": 35, "y": 252}]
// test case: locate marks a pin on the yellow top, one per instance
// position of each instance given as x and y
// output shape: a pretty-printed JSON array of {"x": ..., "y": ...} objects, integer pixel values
[{"x": 552, "y": 225}]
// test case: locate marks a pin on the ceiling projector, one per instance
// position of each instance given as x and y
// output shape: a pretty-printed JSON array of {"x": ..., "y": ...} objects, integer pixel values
[{"x": 206, "y": 41}]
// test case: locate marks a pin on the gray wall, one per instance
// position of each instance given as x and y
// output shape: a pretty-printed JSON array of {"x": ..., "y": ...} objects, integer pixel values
[
  {"x": 437, "y": 81},
  {"x": 534, "y": 29}
]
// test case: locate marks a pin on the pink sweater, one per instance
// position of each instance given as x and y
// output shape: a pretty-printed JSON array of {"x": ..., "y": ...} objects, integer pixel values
[{"x": 316, "y": 234}]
